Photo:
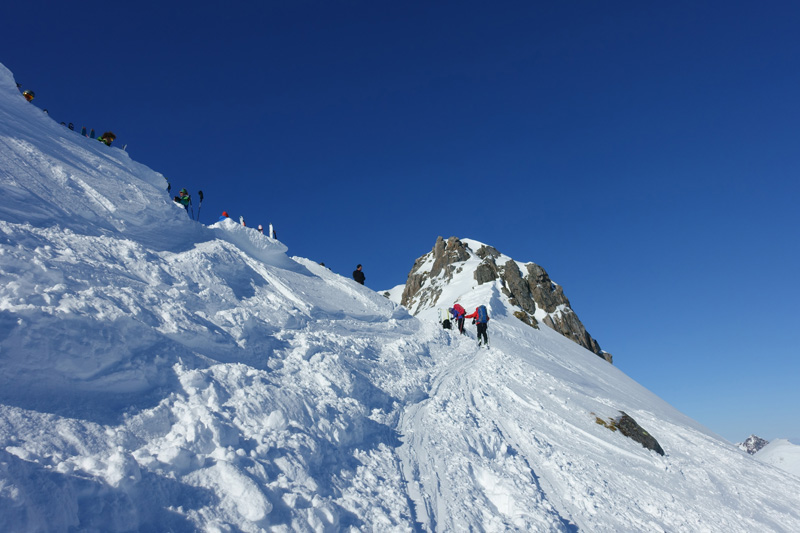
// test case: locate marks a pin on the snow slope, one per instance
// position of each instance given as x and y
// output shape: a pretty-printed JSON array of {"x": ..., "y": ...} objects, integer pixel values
[
  {"x": 159, "y": 375},
  {"x": 782, "y": 454}
]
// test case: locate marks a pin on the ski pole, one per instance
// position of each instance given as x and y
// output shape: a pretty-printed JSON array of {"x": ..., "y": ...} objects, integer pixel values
[{"x": 200, "y": 194}]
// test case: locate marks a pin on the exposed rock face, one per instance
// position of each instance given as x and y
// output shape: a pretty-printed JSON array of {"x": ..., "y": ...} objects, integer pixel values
[
  {"x": 440, "y": 262},
  {"x": 631, "y": 429},
  {"x": 527, "y": 290},
  {"x": 752, "y": 444},
  {"x": 626, "y": 425}
]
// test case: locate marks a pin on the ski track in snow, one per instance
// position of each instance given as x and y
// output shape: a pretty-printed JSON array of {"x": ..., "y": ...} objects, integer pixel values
[{"x": 160, "y": 375}]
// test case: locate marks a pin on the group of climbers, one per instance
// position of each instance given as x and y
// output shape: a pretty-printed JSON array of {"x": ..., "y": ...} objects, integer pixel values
[
  {"x": 106, "y": 138},
  {"x": 185, "y": 200},
  {"x": 480, "y": 318}
]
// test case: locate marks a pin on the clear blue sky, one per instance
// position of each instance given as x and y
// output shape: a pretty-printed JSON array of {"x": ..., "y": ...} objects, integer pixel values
[{"x": 645, "y": 154}]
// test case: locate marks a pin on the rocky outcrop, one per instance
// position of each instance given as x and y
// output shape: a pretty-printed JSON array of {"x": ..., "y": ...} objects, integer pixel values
[
  {"x": 631, "y": 429},
  {"x": 535, "y": 289},
  {"x": 627, "y": 426},
  {"x": 527, "y": 289},
  {"x": 440, "y": 265},
  {"x": 753, "y": 444}
]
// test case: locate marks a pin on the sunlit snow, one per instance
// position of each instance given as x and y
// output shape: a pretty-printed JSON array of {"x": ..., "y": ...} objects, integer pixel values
[{"x": 160, "y": 375}]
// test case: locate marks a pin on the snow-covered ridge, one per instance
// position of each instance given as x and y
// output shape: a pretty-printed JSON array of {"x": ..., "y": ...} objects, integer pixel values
[
  {"x": 159, "y": 375},
  {"x": 470, "y": 272}
]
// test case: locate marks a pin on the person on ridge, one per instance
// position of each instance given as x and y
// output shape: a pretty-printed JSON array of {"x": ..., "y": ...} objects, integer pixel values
[
  {"x": 28, "y": 95},
  {"x": 459, "y": 313},
  {"x": 107, "y": 138},
  {"x": 223, "y": 216},
  {"x": 183, "y": 198},
  {"x": 481, "y": 319},
  {"x": 358, "y": 275}
]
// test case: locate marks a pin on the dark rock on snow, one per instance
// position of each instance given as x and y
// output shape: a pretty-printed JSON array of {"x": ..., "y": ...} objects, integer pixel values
[{"x": 753, "y": 444}]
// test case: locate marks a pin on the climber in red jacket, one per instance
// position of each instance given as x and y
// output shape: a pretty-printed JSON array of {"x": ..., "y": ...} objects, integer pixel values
[{"x": 481, "y": 319}]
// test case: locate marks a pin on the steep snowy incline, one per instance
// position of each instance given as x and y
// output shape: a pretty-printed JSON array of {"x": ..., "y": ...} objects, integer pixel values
[
  {"x": 516, "y": 432},
  {"x": 159, "y": 375}
]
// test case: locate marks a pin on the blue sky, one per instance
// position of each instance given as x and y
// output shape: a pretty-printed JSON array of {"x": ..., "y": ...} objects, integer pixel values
[{"x": 645, "y": 155}]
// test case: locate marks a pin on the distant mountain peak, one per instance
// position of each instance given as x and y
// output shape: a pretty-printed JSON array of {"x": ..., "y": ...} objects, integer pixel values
[
  {"x": 527, "y": 290},
  {"x": 753, "y": 444}
]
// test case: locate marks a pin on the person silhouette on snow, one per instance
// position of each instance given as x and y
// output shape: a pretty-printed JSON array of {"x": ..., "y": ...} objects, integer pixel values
[
  {"x": 358, "y": 275},
  {"x": 459, "y": 313},
  {"x": 223, "y": 216},
  {"x": 481, "y": 320}
]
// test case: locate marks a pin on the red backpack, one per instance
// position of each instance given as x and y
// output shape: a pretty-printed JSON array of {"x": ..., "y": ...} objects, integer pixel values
[{"x": 460, "y": 312}]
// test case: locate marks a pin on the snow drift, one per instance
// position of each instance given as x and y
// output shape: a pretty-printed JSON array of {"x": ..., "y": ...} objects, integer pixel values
[{"x": 159, "y": 375}]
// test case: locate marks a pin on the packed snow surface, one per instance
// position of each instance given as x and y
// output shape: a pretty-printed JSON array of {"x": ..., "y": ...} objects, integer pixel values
[
  {"x": 783, "y": 454},
  {"x": 160, "y": 375}
]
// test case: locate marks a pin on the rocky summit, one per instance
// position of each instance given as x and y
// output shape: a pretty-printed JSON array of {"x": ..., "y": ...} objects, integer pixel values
[
  {"x": 753, "y": 444},
  {"x": 524, "y": 289}
]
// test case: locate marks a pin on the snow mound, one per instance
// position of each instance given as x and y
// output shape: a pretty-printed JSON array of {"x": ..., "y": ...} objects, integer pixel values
[{"x": 782, "y": 454}]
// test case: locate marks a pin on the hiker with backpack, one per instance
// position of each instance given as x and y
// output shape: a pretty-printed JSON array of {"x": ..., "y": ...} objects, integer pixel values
[
  {"x": 459, "y": 313},
  {"x": 481, "y": 319}
]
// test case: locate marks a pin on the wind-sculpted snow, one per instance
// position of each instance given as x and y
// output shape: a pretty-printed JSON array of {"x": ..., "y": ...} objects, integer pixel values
[{"x": 160, "y": 375}]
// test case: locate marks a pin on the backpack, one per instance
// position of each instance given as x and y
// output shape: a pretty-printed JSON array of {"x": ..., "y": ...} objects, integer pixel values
[
  {"x": 459, "y": 311},
  {"x": 483, "y": 316}
]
